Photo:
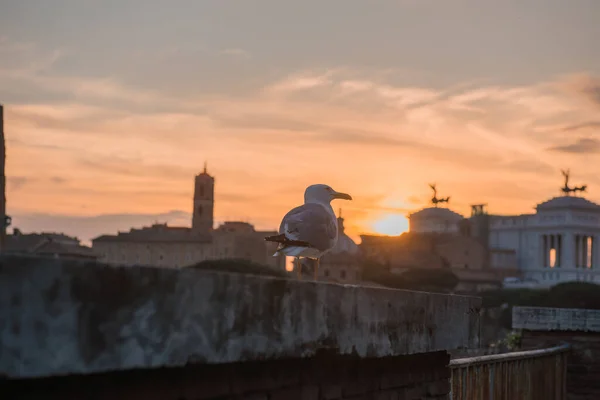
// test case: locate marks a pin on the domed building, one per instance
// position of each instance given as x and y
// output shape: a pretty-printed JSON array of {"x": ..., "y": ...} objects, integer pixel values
[
  {"x": 557, "y": 243},
  {"x": 434, "y": 220},
  {"x": 567, "y": 202}
]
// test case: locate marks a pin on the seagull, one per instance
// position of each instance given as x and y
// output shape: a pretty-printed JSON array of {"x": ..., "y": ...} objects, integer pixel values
[{"x": 310, "y": 230}]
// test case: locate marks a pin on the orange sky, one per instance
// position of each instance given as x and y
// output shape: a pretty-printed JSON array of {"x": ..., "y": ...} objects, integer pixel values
[
  {"x": 82, "y": 160},
  {"x": 104, "y": 151}
]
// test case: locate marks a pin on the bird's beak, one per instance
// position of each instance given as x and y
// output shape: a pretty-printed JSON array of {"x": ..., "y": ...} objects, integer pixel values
[{"x": 342, "y": 196}]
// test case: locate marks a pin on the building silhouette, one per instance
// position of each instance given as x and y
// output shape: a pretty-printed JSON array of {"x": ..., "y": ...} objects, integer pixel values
[
  {"x": 47, "y": 244},
  {"x": 204, "y": 203},
  {"x": 556, "y": 243},
  {"x": 175, "y": 247}
]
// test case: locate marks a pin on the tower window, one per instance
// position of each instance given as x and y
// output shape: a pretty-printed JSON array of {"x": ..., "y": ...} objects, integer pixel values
[
  {"x": 199, "y": 210},
  {"x": 201, "y": 190}
]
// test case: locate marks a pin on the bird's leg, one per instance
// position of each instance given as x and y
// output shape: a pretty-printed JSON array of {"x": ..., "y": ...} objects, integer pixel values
[
  {"x": 299, "y": 267},
  {"x": 317, "y": 262}
]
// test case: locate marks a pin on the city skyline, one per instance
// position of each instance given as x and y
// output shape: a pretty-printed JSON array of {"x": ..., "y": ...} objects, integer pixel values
[{"x": 111, "y": 110}]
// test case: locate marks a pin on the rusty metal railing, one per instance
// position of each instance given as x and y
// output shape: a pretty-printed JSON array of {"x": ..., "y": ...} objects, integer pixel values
[{"x": 523, "y": 375}]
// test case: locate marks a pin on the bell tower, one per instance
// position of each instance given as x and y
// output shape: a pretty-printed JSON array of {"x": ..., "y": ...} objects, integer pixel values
[{"x": 204, "y": 203}]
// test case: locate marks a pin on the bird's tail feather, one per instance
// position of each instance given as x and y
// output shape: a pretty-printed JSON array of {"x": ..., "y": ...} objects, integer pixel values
[
  {"x": 284, "y": 241},
  {"x": 290, "y": 251}
]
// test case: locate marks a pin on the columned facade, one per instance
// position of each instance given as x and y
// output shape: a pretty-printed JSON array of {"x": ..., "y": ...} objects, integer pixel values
[
  {"x": 559, "y": 243},
  {"x": 552, "y": 254},
  {"x": 578, "y": 250},
  {"x": 570, "y": 250},
  {"x": 584, "y": 251}
]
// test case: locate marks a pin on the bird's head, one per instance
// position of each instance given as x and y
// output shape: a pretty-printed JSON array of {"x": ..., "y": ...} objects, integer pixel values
[{"x": 323, "y": 194}]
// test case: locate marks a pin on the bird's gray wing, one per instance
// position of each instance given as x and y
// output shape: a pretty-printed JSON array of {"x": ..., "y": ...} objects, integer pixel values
[{"x": 310, "y": 223}]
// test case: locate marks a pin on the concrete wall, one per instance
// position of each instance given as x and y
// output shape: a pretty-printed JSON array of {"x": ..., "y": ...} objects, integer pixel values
[
  {"x": 547, "y": 327},
  {"x": 556, "y": 319},
  {"x": 69, "y": 317}
]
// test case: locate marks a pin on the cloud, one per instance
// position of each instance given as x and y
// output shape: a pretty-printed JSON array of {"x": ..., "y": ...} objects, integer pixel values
[
  {"x": 69, "y": 117},
  {"x": 351, "y": 86},
  {"x": 585, "y": 86},
  {"x": 583, "y": 125},
  {"x": 18, "y": 59},
  {"x": 235, "y": 52},
  {"x": 29, "y": 65},
  {"x": 127, "y": 150},
  {"x": 300, "y": 82},
  {"x": 39, "y": 146},
  {"x": 17, "y": 182},
  {"x": 590, "y": 87},
  {"x": 581, "y": 146},
  {"x": 405, "y": 97},
  {"x": 137, "y": 167},
  {"x": 264, "y": 121}
]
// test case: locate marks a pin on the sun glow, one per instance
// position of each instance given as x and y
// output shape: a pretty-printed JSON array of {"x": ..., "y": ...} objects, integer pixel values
[
  {"x": 391, "y": 224},
  {"x": 289, "y": 264}
]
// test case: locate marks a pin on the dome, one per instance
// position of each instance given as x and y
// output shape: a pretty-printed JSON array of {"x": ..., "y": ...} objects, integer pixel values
[
  {"x": 434, "y": 220},
  {"x": 436, "y": 213},
  {"x": 344, "y": 243},
  {"x": 571, "y": 202}
]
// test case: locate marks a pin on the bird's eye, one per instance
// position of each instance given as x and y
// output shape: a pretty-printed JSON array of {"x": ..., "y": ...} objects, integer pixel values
[{"x": 329, "y": 189}]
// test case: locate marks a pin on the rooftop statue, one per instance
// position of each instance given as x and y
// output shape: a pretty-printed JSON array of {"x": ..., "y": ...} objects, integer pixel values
[{"x": 437, "y": 200}]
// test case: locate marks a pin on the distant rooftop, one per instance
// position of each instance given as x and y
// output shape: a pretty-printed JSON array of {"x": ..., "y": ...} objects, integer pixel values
[
  {"x": 164, "y": 233},
  {"x": 59, "y": 237},
  {"x": 436, "y": 212},
  {"x": 572, "y": 202},
  {"x": 236, "y": 226},
  {"x": 52, "y": 244},
  {"x": 156, "y": 233}
]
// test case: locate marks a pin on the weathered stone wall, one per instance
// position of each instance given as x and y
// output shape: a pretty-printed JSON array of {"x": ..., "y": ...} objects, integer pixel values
[
  {"x": 324, "y": 377},
  {"x": 62, "y": 317},
  {"x": 74, "y": 329},
  {"x": 547, "y": 327}
]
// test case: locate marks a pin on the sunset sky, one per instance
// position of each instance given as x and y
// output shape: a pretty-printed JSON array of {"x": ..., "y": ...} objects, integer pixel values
[{"x": 112, "y": 107}]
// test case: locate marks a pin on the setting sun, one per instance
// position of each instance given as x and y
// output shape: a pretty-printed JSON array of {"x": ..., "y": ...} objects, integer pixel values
[{"x": 391, "y": 224}]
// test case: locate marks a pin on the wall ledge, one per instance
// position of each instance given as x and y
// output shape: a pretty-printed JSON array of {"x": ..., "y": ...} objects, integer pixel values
[{"x": 63, "y": 317}]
